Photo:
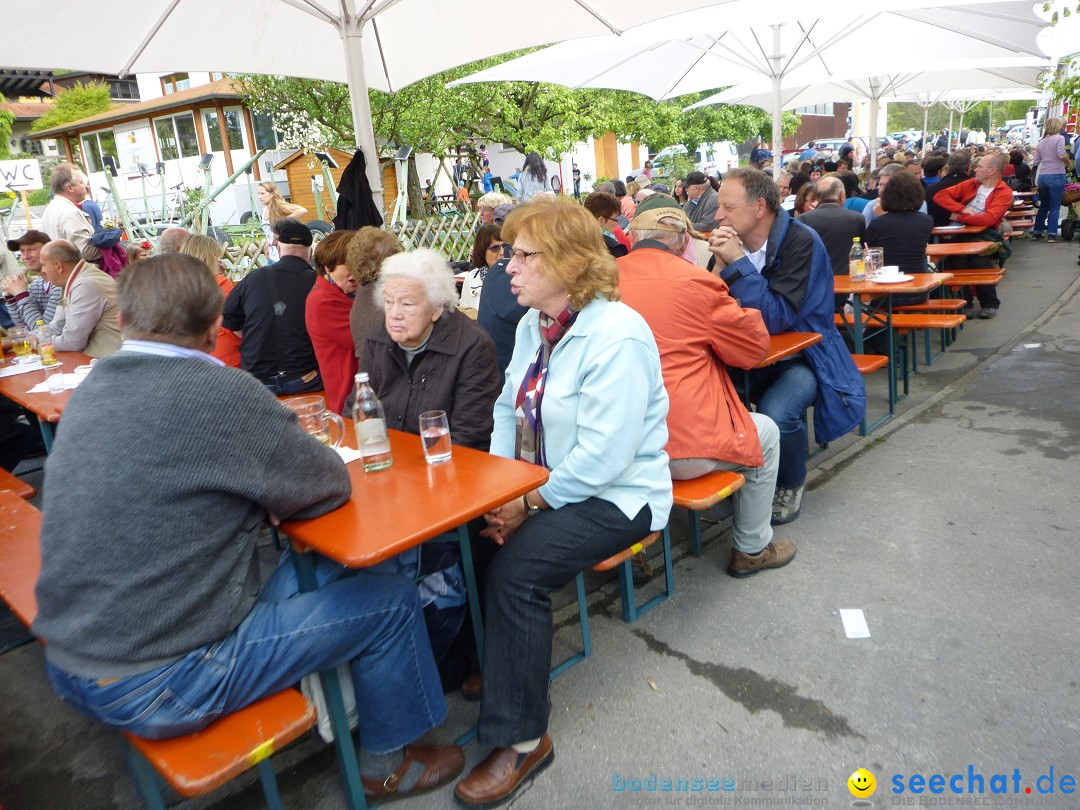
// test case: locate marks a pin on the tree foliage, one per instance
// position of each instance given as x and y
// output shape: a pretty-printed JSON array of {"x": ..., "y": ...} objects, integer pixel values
[
  {"x": 1059, "y": 9},
  {"x": 989, "y": 116},
  {"x": 7, "y": 118},
  {"x": 529, "y": 116},
  {"x": 78, "y": 101},
  {"x": 1063, "y": 86}
]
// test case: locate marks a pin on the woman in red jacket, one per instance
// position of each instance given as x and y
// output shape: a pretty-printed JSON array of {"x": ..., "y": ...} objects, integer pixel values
[{"x": 327, "y": 317}]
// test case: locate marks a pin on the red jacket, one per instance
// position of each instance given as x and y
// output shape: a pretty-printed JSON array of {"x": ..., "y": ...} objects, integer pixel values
[
  {"x": 954, "y": 198},
  {"x": 228, "y": 344},
  {"x": 700, "y": 329},
  {"x": 327, "y": 317}
]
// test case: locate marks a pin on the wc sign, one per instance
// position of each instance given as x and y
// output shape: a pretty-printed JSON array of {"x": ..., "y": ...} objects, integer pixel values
[{"x": 20, "y": 175}]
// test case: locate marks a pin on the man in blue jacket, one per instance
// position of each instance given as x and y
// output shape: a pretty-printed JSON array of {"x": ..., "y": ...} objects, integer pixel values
[{"x": 780, "y": 266}]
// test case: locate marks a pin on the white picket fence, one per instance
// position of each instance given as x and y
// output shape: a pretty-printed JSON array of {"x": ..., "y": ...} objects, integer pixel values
[{"x": 452, "y": 235}]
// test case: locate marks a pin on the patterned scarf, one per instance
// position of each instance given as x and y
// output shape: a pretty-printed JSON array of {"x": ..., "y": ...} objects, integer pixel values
[{"x": 530, "y": 423}]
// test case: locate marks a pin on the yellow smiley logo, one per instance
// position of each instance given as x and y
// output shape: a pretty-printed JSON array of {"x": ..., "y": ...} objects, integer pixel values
[{"x": 862, "y": 783}]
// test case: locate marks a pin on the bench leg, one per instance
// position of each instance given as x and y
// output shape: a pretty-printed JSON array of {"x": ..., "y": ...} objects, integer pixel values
[
  {"x": 631, "y": 612},
  {"x": 586, "y": 635},
  {"x": 269, "y": 785},
  {"x": 146, "y": 781},
  {"x": 694, "y": 532}
]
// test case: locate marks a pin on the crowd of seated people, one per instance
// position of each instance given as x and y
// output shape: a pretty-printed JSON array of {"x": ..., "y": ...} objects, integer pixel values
[{"x": 593, "y": 368}]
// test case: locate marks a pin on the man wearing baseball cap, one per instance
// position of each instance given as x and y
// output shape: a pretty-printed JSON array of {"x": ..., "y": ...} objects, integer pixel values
[
  {"x": 701, "y": 207},
  {"x": 267, "y": 306},
  {"x": 37, "y": 300},
  {"x": 700, "y": 330}
]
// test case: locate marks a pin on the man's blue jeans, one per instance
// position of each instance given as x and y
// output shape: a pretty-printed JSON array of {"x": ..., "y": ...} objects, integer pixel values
[
  {"x": 1051, "y": 189},
  {"x": 783, "y": 392},
  {"x": 371, "y": 619}
]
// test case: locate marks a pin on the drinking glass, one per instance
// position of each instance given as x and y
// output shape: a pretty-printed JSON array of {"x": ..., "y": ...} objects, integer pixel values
[
  {"x": 875, "y": 258},
  {"x": 435, "y": 435},
  {"x": 316, "y": 420},
  {"x": 20, "y": 344},
  {"x": 54, "y": 376}
]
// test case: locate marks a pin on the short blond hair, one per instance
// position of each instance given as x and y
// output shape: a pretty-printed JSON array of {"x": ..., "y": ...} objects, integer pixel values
[
  {"x": 207, "y": 250},
  {"x": 493, "y": 199},
  {"x": 573, "y": 247},
  {"x": 1053, "y": 126}
]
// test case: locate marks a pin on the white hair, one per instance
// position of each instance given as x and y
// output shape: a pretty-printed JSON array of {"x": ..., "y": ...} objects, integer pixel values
[{"x": 427, "y": 266}]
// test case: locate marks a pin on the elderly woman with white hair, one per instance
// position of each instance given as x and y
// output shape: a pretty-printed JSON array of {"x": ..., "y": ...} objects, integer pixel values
[{"x": 428, "y": 356}]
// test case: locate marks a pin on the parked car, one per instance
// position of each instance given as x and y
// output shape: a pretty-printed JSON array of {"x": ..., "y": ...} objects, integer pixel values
[{"x": 828, "y": 148}]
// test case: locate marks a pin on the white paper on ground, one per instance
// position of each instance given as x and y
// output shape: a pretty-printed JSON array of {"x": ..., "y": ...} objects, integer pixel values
[
  {"x": 348, "y": 455},
  {"x": 1032, "y": 345},
  {"x": 854, "y": 623}
]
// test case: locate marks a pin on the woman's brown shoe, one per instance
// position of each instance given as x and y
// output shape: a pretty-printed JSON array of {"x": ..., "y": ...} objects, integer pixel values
[
  {"x": 497, "y": 778},
  {"x": 442, "y": 764}
]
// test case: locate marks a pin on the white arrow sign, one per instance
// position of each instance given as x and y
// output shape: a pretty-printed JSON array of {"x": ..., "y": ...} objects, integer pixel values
[{"x": 20, "y": 175}]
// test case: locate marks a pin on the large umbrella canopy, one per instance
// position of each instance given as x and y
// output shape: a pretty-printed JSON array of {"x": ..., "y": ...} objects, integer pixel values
[
  {"x": 771, "y": 41},
  {"x": 383, "y": 44},
  {"x": 1021, "y": 75}
]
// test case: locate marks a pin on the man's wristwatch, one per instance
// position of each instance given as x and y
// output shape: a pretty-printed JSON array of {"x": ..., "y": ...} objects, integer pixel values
[{"x": 529, "y": 508}]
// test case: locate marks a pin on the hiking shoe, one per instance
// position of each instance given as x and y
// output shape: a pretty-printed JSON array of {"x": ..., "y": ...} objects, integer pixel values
[
  {"x": 775, "y": 555},
  {"x": 1051, "y": 238},
  {"x": 786, "y": 505},
  {"x": 987, "y": 314},
  {"x": 1036, "y": 236}
]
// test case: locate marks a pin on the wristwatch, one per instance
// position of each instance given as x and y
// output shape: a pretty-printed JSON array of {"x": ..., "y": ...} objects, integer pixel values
[{"x": 529, "y": 508}]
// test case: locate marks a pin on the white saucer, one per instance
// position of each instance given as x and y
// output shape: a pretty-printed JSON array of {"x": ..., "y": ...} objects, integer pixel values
[{"x": 892, "y": 279}]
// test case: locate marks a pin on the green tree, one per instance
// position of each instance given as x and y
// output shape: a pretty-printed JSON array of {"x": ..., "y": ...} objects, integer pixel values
[
  {"x": 1059, "y": 9},
  {"x": 7, "y": 118},
  {"x": 1065, "y": 87},
  {"x": 78, "y": 101},
  {"x": 989, "y": 116}
]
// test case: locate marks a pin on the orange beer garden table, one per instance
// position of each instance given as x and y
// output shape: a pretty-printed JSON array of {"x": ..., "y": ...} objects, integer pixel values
[
  {"x": 396, "y": 509},
  {"x": 945, "y": 249},
  {"x": 781, "y": 346},
  {"x": 48, "y": 408},
  {"x": 919, "y": 283}
]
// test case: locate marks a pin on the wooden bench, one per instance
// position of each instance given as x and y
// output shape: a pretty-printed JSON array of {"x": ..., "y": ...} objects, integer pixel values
[
  {"x": 630, "y": 611},
  {"x": 15, "y": 484},
  {"x": 905, "y": 323},
  {"x": 698, "y": 494},
  {"x": 936, "y": 305},
  {"x": 193, "y": 764},
  {"x": 868, "y": 364}
]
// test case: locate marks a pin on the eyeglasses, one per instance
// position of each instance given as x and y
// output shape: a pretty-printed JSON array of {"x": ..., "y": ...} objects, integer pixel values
[
  {"x": 523, "y": 256},
  {"x": 496, "y": 247}
]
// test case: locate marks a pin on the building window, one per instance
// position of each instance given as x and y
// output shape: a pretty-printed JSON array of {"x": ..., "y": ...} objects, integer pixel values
[
  {"x": 176, "y": 136},
  {"x": 123, "y": 90},
  {"x": 266, "y": 137},
  {"x": 216, "y": 77},
  {"x": 174, "y": 82},
  {"x": 31, "y": 146},
  {"x": 96, "y": 145},
  {"x": 816, "y": 109},
  {"x": 232, "y": 128}
]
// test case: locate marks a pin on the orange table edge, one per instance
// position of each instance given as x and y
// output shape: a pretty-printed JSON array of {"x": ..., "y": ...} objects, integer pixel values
[
  {"x": 393, "y": 510},
  {"x": 786, "y": 344}
]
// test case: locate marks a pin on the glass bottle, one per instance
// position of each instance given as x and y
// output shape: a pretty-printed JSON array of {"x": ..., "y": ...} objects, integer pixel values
[{"x": 371, "y": 437}]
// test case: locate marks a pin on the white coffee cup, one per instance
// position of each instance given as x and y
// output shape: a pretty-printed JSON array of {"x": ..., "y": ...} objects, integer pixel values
[{"x": 889, "y": 271}]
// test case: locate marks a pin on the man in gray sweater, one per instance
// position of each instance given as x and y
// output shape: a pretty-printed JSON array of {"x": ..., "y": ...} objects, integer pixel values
[{"x": 167, "y": 468}]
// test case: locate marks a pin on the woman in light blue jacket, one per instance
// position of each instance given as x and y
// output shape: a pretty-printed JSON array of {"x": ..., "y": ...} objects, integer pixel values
[{"x": 585, "y": 398}]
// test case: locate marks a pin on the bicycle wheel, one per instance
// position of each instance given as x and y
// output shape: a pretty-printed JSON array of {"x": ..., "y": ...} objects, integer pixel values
[
  {"x": 1068, "y": 227},
  {"x": 556, "y": 184}
]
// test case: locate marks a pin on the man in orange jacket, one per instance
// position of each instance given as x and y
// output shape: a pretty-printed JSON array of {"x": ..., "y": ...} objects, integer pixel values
[
  {"x": 982, "y": 200},
  {"x": 700, "y": 329}
]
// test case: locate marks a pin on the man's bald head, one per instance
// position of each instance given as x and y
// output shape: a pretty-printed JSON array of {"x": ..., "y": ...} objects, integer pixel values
[
  {"x": 831, "y": 190},
  {"x": 171, "y": 239}
]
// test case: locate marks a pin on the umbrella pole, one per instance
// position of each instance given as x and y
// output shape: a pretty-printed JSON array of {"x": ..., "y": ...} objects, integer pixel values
[
  {"x": 777, "y": 113},
  {"x": 361, "y": 108},
  {"x": 925, "y": 118},
  {"x": 875, "y": 142}
]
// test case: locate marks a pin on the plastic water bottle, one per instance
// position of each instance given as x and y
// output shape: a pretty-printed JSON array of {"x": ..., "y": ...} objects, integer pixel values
[
  {"x": 46, "y": 348},
  {"x": 857, "y": 261},
  {"x": 371, "y": 436}
]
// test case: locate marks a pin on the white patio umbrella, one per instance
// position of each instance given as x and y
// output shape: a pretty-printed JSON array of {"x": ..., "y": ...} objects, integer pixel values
[
  {"x": 967, "y": 98},
  {"x": 1020, "y": 74},
  {"x": 382, "y": 44},
  {"x": 770, "y": 41}
]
